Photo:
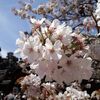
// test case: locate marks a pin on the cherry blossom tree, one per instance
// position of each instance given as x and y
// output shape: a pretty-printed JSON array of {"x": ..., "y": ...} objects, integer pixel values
[{"x": 62, "y": 45}]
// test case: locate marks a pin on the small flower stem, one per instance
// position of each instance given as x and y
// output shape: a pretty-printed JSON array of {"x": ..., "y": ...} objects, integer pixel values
[{"x": 43, "y": 40}]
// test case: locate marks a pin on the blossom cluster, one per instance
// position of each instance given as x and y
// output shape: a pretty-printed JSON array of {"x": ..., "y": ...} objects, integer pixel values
[
  {"x": 30, "y": 85},
  {"x": 73, "y": 94},
  {"x": 48, "y": 91},
  {"x": 70, "y": 93},
  {"x": 55, "y": 51}
]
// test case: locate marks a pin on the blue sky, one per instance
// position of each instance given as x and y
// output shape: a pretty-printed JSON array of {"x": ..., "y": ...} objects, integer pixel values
[{"x": 10, "y": 25}]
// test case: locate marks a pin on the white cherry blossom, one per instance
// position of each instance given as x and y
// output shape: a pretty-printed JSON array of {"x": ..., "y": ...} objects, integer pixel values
[
  {"x": 63, "y": 33},
  {"x": 38, "y": 22},
  {"x": 52, "y": 51},
  {"x": 31, "y": 48},
  {"x": 54, "y": 24}
]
